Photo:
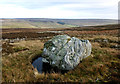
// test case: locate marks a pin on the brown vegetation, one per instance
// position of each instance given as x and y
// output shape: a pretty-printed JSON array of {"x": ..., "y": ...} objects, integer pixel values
[{"x": 103, "y": 65}]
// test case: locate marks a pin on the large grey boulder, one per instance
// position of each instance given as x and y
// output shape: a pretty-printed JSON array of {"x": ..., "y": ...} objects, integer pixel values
[{"x": 65, "y": 52}]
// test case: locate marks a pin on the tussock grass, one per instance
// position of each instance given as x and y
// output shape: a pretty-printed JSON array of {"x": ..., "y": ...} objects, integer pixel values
[{"x": 103, "y": 65}]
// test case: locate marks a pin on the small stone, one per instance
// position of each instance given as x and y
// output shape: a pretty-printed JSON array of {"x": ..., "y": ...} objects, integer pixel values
[{"x": 65, "y": 52}]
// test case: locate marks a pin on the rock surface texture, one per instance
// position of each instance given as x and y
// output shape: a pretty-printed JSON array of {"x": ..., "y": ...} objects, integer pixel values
[{"x": 65, "y": 52}]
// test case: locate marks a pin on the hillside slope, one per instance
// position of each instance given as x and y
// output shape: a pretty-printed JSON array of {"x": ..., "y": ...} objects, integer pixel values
[{"x": 53, "y": 23}]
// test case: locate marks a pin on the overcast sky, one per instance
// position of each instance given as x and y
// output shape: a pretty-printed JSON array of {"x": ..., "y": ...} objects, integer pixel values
[{"x": 67, "y": 9}]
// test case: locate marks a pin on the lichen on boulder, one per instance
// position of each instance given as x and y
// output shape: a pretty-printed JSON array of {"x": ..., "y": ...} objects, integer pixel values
[{"x": 65, "y": 52}]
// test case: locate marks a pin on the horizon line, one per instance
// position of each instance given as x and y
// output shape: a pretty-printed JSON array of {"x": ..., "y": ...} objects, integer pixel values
[{"x": 62, "y": 18}]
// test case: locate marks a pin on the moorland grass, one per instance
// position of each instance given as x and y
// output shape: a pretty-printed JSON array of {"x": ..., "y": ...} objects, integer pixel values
[{"x": 101, "y": 66}]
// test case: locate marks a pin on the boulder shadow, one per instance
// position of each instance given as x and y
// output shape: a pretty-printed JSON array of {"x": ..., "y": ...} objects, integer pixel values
[
  {"x": 43, "y": 67},
  {"x": 47, "y": 68}
]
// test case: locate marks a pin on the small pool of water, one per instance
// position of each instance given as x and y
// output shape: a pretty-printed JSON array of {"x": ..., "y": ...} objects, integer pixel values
[
  {"x": 38, "y": 64},
  {"x": 41, "y": 66}
]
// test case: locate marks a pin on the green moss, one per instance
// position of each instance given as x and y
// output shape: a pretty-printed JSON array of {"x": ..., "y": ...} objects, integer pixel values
[
  {"x": 16, "y": 49},
  {"x": 68, "y": 40}
]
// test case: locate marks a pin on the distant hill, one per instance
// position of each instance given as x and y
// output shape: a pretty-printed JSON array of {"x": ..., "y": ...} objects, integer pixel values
[{"x": 53, "y": 23}]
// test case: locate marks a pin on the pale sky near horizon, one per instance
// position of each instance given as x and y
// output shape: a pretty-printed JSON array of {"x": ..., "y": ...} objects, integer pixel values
[{"x": 64, "y": 9}]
